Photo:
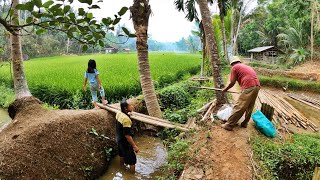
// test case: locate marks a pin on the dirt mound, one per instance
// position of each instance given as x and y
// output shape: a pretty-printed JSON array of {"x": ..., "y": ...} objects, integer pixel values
[
  {"x": 219, "y": 154},
  {"x": 55, "y": 144}
]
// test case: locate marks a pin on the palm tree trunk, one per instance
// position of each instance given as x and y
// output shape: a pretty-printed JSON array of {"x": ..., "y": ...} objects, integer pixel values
[
  {"x": 224, "y": 38},
  {"x": 213, "y": 51},
  {"x": 140, "y": 11},
  {"x": 20, "y": 82}
]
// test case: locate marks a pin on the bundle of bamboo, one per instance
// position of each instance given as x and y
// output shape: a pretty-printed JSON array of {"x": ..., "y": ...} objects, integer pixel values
[
  {"x": 284, "y": 112},
  {"x": 306, "y": 100}
]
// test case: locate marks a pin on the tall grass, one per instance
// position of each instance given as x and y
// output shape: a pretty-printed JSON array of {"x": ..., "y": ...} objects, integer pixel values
[{"x": 56, "y": 79}]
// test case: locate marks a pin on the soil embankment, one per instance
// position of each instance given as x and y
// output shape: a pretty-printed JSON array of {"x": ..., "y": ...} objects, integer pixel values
[
  {"x": 220, "y": 154},
  {"x": 290, "y": 74},
  {"x": 55, "y": 144}
]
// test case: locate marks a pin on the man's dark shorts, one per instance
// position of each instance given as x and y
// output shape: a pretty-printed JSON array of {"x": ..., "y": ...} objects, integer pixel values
[{"x": 127, "y": 152}]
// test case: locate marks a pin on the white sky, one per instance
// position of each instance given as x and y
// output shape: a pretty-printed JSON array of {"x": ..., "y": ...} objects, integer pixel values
[{"x": 166, "y": 24}]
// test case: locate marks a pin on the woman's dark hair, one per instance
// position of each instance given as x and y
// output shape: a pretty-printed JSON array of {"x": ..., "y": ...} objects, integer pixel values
[
  {"x": 91, "y": 66},
  {"x": 124, "y": 105}
]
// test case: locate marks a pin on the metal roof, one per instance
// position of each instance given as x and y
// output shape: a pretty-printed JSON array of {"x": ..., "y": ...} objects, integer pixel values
[{"x": 260, "y": 49}]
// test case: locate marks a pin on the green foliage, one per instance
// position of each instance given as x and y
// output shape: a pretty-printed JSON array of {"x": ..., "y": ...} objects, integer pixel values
[
  {"x": 49, "y": 107},
  {"x": 294, "y": 159},
  {"x": 62, "y": 84},
  {"x": 299, "y": 55},
  {"x": 7, "y": 96},
  {"x": 178, "y": 116},
  {"x": 293, "y": 84},
  {"x": 174, "y": 97},
  {"x": 108, "y": 153},
  {"x": 216, "y": 22},
  {"x": 58, "y": 15},
  {"x": 248, "y": 36},
  {"x": 293, "y": 37},
  {"x": 177, "y": 156}
]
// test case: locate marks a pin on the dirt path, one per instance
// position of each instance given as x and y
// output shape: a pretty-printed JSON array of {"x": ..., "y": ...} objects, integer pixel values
[{"x": 220, "y": 154}]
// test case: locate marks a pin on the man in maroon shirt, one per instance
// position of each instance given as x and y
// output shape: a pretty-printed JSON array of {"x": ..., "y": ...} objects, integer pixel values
[{"x": 250, "y": 86}]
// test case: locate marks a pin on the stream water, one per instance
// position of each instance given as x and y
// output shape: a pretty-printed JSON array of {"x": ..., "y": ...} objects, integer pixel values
[
  {"x": 151, "y": 157},
  {"x": 4, "y": 117}
]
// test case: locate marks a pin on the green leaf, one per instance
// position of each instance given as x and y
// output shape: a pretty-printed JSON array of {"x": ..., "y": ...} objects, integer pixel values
[
  {"x": 29, "y": 19},
  {"x": 47, "y": 4},
  {"x": 125, "y": 30},
  {"x": 81, "y": 11},
  {"x": 21, "y": 7},
  {"x": 70, "y": 1},
  {"x": 29, "y": 6},
  {"x": 72, "y": 16},
  {"x": 40, "y": 31},
  {"x": 107, "y": 21},
  {"x": 123, "y": 11},
  {"x": 116, "y": 21},
  {"x": 38, "y": 3},
  {"x": 90, "y": 15},
  {"x": 101, "y": 43},
  {"x": 36, "y": 14},
  {"x": 85, "y": 48},
  {"x": 66, "y": 9},
  {"x": 86, "y": 1},
  {"x": 132, "y": 35},
  {"x": 94, "y": 7}
]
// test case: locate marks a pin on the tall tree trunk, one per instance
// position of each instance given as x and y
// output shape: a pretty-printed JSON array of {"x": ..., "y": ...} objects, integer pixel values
[
  {"x": 213, "y": 51},
  {"x": 140, "y": 11},
  {"x": 235, "y": 45},
  {"x": 20, "y": 82},
  {"x": 312, "y": 22},
  {"x": 232, "y": 31},
  {"x": 224, "y": 38}
]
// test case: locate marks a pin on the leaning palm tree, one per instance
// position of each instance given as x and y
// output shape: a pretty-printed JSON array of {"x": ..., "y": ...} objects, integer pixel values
[
  {"x": 140, "y": 13},
  {"x": 213, "y": 51},
  {"x": 206, "y": 25}
]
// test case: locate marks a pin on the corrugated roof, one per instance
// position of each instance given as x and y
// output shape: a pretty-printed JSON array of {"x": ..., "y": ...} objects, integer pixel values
[{"x": 260, "y": 49}]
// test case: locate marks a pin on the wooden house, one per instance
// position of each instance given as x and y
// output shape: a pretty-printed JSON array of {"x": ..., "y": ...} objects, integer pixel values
[
  {"x": 111, "y": 50},
  {"x": 266, "y": 53}
]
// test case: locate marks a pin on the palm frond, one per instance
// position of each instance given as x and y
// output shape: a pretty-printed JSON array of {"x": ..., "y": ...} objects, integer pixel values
[{"x": 179, "y": 4}]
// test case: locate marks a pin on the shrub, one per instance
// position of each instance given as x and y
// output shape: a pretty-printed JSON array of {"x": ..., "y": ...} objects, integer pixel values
[
  {"x": 174, "y": 97},
  {"x": 291, "y": 160},
  {"x": 179, "y": 116},
  {"x": 7, "y": 96}
]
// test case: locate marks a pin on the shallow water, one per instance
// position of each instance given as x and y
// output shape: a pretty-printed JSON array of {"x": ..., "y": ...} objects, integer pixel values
[
  {"x": 151, "y": 157},
  {"x": 4, "y": 117}
]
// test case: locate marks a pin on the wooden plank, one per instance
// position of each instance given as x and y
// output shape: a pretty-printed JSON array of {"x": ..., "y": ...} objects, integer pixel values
[
  {"x": 215, "y": 89},
  {"x": 205, "y": 117},
  {"x": 147, "y": 119},
  {"x": 316, "y": 174}
]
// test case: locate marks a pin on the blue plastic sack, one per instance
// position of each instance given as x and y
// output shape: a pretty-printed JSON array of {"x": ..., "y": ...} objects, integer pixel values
[{"x": 263, "y": 124}]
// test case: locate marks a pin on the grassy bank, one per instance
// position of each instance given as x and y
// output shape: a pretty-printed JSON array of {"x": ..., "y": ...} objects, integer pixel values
[
  {"x": 292, "y": 159},
  {"x": 59, "y": 80},
  {"x": 293, "y": 84}
]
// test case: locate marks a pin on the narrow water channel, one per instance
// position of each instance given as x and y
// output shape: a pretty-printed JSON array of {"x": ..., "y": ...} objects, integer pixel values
[
  {"x": 150, "y": 159},
  {"x": 4, "y": 117}
]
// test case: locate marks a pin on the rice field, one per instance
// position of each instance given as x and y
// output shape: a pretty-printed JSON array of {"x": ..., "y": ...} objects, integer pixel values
[{"x": 118, "y": 72}]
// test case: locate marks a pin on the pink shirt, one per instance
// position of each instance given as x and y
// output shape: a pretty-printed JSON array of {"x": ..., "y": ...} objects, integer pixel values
[{"x": 245, "y": 76}]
